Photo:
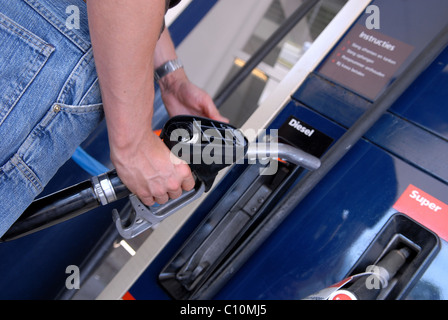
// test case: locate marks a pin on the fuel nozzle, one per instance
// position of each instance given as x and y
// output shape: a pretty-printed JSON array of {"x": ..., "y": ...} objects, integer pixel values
[
  {"x": 371, "y": 285},
  {"x": 208, "y": 146},
  {"x": 392, "y": 262}
]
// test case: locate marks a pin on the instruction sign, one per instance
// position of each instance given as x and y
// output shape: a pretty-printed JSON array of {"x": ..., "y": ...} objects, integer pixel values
[{"x": 365, "y": 61}]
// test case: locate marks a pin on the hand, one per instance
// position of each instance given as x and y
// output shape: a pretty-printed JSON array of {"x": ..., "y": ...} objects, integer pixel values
[
  {"x": 151, "y": 172},
  {"x": 183, "y": 97}
]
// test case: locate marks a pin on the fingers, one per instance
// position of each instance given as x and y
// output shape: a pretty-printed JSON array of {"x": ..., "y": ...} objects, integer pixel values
[
  {"x": 211, "y": 111},
  {"x": 190, "y": 99},
  {"x": 174, "y": 195},
  {"x": 215, "y": 115},
  {"x": 188, "y": 182},
  {"x": 160, "y": 198},
  {"x": 160, "y": 190}
]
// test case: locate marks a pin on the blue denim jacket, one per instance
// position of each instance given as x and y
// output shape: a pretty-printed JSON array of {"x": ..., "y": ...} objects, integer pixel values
[{"x": 49, "y": 96}]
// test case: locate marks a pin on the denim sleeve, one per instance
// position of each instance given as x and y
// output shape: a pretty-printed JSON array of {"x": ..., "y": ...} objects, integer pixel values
[{"x": 50, "y": 98}]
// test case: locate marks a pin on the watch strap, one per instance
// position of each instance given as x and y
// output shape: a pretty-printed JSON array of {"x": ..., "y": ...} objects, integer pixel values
[{"x": 167, "y": 68}]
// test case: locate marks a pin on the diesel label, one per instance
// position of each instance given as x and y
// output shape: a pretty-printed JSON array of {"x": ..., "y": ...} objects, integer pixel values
[
  {"x": 303, "y": 135},
  {"x": 299, "y": 127}
]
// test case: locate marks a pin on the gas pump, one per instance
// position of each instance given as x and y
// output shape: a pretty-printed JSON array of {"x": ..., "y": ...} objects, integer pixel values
[{"x": 373, "y": 98}]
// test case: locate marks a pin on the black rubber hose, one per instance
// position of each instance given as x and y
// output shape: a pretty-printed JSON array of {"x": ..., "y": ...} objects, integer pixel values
[{"x": 61, "y": 206}]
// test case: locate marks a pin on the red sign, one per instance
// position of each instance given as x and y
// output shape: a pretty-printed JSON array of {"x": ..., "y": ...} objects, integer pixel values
[
  {"x": 425, "y": 209},
  {"x": 342, "y": 295}
]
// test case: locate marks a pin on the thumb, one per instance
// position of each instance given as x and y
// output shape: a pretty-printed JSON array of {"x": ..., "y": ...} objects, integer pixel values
[{"x": 213, "y": 113}]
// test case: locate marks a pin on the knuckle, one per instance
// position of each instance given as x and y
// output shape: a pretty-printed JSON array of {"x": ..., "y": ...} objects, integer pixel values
[
  {"x": 184, "y": 170},
  {"x": 158, "y": 192},
  {"x": 143, "y": 193},
  {"x": 173, "y": 184}
]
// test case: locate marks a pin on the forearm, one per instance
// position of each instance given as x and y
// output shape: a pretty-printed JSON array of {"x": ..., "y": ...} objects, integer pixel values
[
  {"x": 165, "y": 49},
  {"x": 124, "y": 35},
  {"x": 164, "y": 52}
]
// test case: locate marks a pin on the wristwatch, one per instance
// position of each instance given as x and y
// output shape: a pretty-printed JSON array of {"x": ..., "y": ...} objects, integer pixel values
[{"x": 167, "y": 68}]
